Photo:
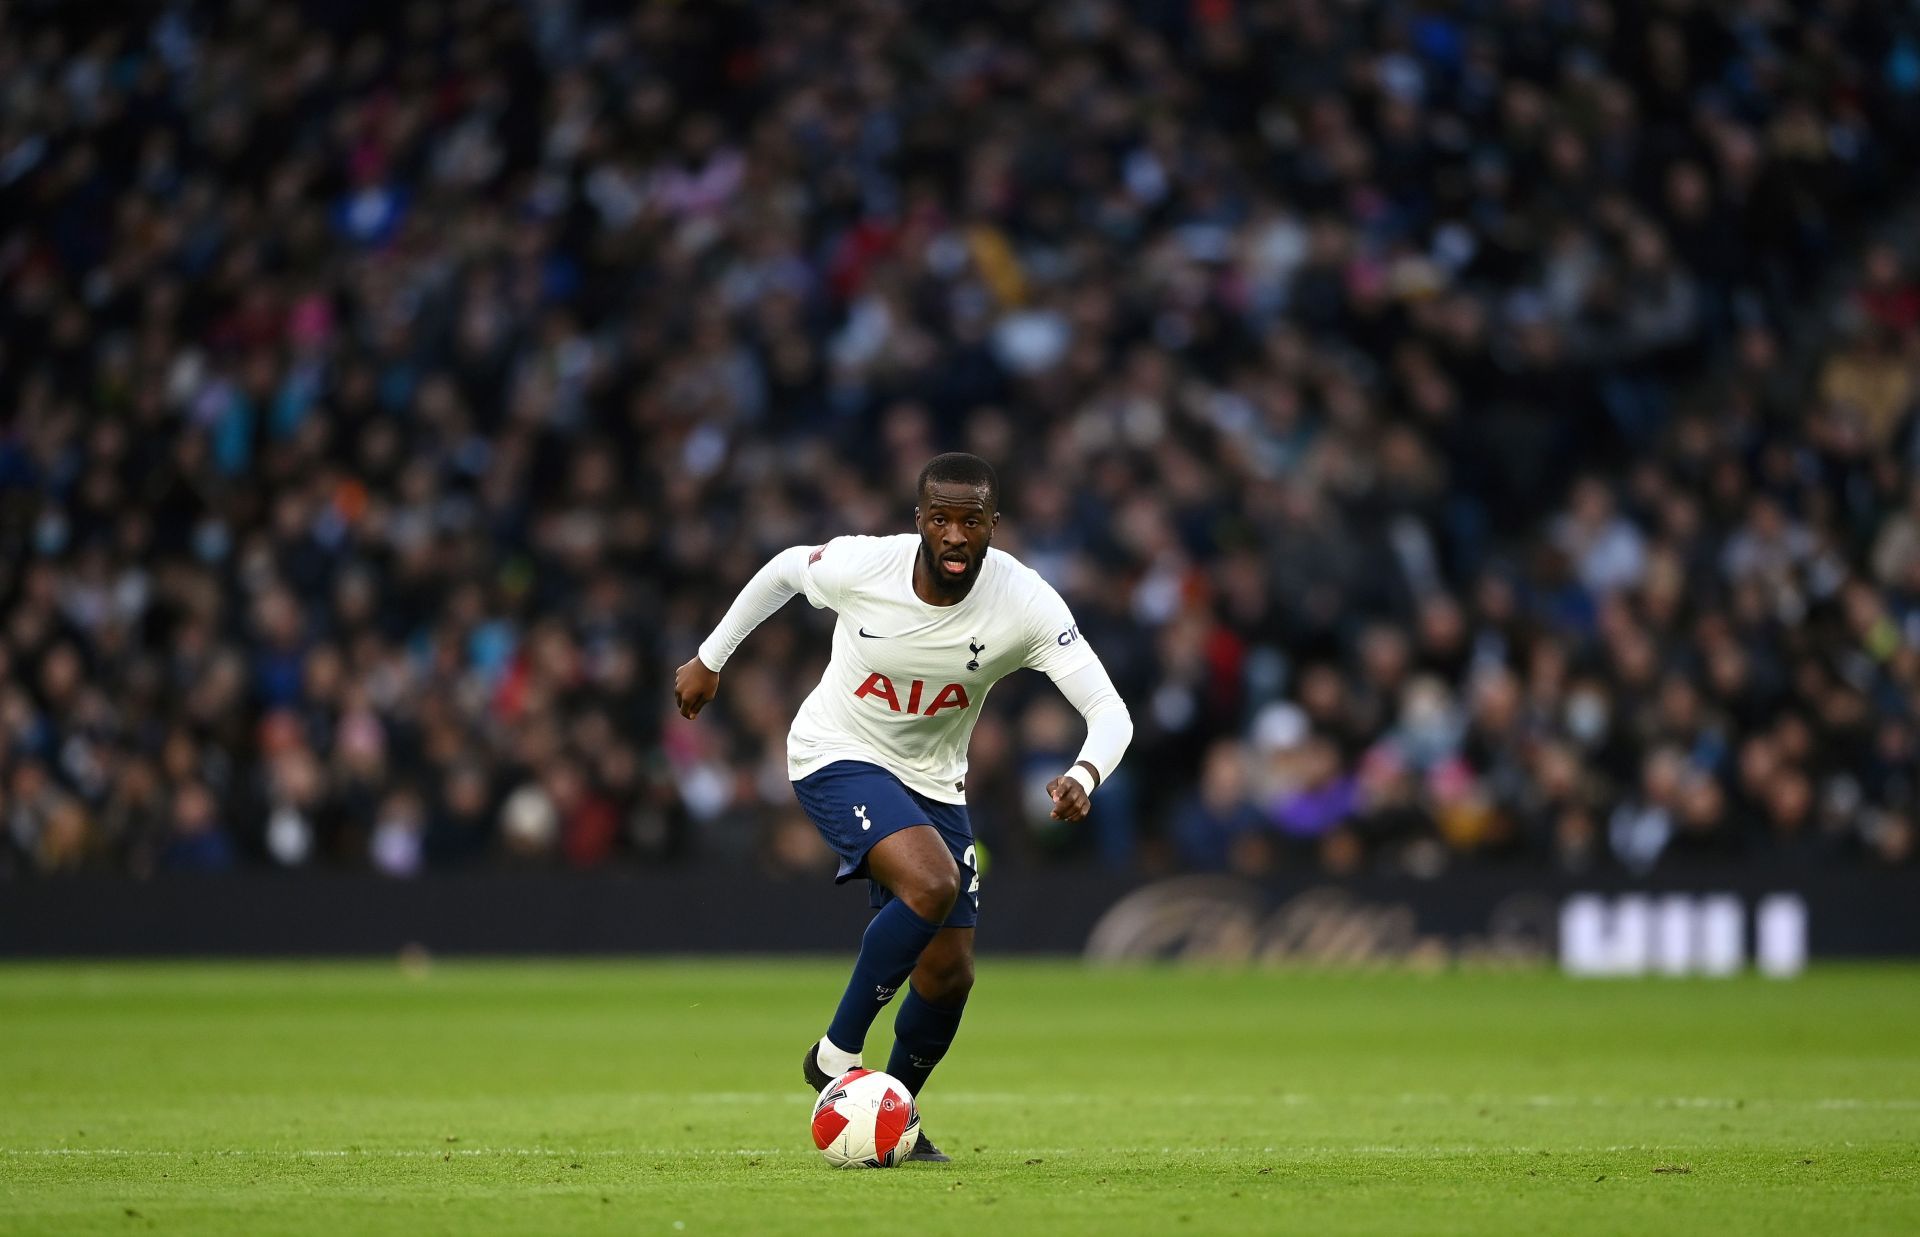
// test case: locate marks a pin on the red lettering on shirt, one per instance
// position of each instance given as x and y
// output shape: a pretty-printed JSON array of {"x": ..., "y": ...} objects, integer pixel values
[
  {"x": 880, "y": 685},
  {"x": 952, "y": 696}
]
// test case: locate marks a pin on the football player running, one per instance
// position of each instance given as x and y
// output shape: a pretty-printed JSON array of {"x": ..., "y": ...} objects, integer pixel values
[{"x": 927, "y": 623}]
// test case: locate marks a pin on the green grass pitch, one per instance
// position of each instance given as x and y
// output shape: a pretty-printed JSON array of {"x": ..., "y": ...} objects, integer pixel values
[{"x": 663, "y": 1097}]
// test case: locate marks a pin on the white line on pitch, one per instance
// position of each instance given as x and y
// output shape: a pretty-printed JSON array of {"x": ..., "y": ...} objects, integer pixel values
[
  {"x": 1022, "y": 1099},
  {"x": 1211, "y": 1100},
  {"x": 327, "y": 1153}
]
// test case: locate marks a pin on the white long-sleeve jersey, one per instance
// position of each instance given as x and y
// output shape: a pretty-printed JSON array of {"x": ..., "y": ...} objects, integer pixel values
[{"x": 906, "y": 680}]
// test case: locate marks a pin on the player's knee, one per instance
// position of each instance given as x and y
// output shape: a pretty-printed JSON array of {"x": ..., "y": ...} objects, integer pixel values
[
  {"x": 948, "y": 982},
  {"x": 931, "y": 893}
]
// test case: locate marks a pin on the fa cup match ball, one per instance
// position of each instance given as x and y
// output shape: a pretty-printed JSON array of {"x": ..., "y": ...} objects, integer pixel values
[{"x": 865, "y": 1119}]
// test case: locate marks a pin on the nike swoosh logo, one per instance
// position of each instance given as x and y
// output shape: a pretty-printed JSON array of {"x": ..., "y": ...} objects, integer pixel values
[{"x": 869, "y": 635}]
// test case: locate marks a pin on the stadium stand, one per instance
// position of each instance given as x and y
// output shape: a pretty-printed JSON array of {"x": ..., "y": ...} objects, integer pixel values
[{"x": 1472, "y": 432}]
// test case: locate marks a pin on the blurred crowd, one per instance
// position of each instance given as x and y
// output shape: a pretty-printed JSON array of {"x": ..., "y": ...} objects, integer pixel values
[{"x": 1469, "y": 430}]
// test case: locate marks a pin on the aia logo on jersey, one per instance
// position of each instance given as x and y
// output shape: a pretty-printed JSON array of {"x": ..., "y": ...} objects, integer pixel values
[{"x": 880, "y": 687}]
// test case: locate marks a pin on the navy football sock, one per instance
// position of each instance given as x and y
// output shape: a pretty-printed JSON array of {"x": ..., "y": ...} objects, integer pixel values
[
  {"x": 887, "y": 953},
  {"x": 922, "y": 1033}
]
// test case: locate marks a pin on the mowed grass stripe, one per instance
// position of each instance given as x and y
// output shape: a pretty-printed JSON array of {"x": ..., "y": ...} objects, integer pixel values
[
  {"x": 611, "y": 1096},
  {"x": 1295, "y": 1098}
]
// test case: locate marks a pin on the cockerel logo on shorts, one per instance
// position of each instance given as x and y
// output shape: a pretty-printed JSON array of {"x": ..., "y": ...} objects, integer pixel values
[{"x": 860, "y": 811}]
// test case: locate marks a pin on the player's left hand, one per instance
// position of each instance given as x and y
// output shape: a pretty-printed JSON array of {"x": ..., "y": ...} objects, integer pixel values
[{"x": 1070, "y": 800}]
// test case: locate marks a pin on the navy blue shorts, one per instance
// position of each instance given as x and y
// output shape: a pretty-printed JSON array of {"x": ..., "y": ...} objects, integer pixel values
[{"x": 854, "y": 804}]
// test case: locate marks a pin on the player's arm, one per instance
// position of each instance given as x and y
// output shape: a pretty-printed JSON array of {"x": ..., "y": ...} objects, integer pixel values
[
  {"x": 1056, "y": 647},
  {"x": 1109, "y": 730},
  {"x": 698, "y": 682}
]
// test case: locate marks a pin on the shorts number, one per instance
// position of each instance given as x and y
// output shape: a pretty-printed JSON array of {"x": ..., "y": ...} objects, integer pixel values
[{"x": 968, "y": 858}]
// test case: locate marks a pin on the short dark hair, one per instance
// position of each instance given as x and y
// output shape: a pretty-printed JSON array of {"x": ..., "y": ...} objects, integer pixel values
[{"x": 962, "y": 469}]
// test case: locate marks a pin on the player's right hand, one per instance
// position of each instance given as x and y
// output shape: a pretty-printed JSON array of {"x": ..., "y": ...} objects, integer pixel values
[{"x": 693, "y": 687}]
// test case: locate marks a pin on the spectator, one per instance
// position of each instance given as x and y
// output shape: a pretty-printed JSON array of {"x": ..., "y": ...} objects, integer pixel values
[
  {"x": 1608, "y": 553},
  {"x": 198, "y": 841},
  {"x": 1221, "y": 827}
]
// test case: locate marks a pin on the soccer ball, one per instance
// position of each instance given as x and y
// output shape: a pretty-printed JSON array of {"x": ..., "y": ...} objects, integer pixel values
[{"x": 865, "y": 1119}]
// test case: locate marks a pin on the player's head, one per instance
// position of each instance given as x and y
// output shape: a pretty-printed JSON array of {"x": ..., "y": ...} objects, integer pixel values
[{"x": 959, "y": 506}]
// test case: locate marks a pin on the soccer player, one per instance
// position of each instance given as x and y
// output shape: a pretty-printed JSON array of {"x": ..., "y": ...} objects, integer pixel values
[{"x": 928, "y": 622}]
